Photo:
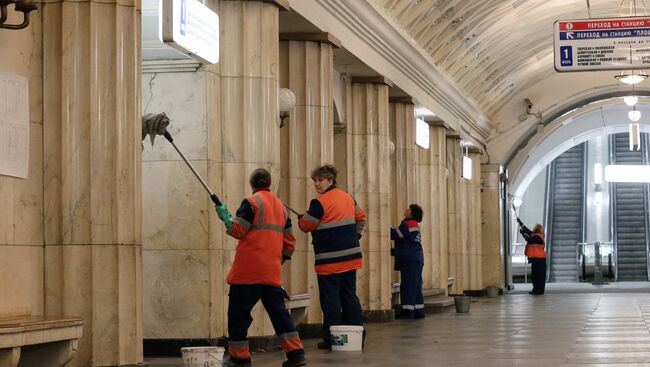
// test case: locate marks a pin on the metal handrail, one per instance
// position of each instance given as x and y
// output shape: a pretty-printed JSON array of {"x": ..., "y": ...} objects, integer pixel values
[{"x": 519, "y": 244}]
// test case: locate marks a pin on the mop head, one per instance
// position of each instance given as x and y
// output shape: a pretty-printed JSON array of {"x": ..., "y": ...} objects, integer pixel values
[{"x": 154, "y": 124}]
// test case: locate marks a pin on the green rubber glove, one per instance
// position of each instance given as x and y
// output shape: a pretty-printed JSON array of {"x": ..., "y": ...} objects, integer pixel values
[{"x": 224, "y": 215}]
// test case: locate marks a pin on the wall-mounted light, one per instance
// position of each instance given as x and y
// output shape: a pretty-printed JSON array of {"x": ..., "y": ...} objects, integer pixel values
[
  {"x": 23, "y": 6},
  {"x": 286, "y": 103}
]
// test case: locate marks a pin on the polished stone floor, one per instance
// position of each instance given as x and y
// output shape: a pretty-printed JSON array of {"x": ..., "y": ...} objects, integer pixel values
[{"x": 557, "y": 329}]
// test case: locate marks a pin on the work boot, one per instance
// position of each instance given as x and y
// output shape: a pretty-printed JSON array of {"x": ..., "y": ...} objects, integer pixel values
[
  {"x": 324, "y": 345},
  {"x": 295, "y": 361}
]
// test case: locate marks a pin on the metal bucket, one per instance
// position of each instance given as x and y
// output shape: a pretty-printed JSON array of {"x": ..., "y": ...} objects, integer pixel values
[
  {"x": 462, "y": 303},
  {"x": 492, "y": 291}
]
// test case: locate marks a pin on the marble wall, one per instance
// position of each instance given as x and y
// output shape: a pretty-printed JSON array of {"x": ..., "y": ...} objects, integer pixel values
[
  {"x": 306, "y": 142},
  {"x": 21, "y": 208},
  {"x": 403, "y": 188},
  {"x": 492, "y": 257},
  {"x": 92, "y": 177},
  {"x": 432, "y": 196},
  {"x": 368, "y": 180}
]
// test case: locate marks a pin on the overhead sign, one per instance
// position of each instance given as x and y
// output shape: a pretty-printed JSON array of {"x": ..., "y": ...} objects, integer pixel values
[
  {"x": 602, "y": 44},
  {"x": 191, "y": 28}
]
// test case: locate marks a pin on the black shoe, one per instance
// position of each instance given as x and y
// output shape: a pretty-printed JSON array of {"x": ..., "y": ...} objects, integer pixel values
[
  {"x": 233, "y": 363},
  {"x": 296, "y": 361},
  {"x": 324, "y": 345},
  {"x": 418, "y": 316}
]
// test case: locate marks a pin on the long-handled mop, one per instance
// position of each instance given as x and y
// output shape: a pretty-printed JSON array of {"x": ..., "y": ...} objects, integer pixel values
[{"x": 156, "y": 124}]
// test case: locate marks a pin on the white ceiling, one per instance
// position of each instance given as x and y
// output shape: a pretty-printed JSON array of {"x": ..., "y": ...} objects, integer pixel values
[{"x": 493, "y": 49}]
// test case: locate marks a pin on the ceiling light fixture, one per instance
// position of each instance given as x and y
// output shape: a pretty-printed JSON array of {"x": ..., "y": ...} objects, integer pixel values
[
  {"x": 632, "y": 77},
  {"x": 634, "y": 115},
  {"x": 630, "y": 100}
]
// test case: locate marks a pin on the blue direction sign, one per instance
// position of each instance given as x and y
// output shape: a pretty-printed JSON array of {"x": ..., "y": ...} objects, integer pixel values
[{"x": 602, "y": 44}]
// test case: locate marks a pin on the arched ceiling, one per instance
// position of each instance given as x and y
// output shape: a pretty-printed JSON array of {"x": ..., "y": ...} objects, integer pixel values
[{"x": 493, "y": 49}]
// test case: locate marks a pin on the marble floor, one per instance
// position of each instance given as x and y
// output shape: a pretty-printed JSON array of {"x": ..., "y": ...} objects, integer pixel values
[{"x": 557, "y": 329}]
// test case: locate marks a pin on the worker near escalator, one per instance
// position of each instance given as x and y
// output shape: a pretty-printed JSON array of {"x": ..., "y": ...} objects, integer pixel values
[
  {"x": 536, "y": 255},
  {"x": 263, "y": 228},
  {"x": 336, "y": 223},
  {"x": 409, "y": 261}
]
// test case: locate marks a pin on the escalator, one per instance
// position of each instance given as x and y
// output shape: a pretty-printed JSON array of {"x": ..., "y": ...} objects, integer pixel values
[
  {"x": 629, "y": 203},
  {"x": 566, "y": 213}
]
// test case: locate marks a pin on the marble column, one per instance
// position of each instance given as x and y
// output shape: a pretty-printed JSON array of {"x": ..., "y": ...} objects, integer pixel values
[
  {"x": 432, "y": 196},
  {"x": 472, "y": 213},
  {"x": 455, "y": 200},
  {"x": 250, "y": 134},
  {"x": 403, "y": 165},
  {"x": 21, "y": 207},
  {"x": 369, "y": 182},
  {"x": 492, "y": 259},
  {"x": 306, "y": 141},
  {"x": 92, "y": 174}
]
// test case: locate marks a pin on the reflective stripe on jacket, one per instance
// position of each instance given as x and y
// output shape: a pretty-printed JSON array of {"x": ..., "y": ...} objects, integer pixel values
[
  {"x": 335, "y": 221},
  {"x": 263, "y": 242},
  {"x": 534, "y": 249},
  {"x": 408, "y": 246}
]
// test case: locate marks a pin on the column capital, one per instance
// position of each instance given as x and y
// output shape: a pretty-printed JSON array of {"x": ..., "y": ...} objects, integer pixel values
[
  {"x": 322, "y": 37},
  {"x": 405, "y": 100},
  {"x": 283, "y": 5},
  {"x": 372, "y": 80},
  {"x": 436, "y": 123}
]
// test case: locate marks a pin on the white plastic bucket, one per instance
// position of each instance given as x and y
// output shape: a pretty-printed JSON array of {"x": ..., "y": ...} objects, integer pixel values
[
  {"x": 202, "y": 356},
  {"x": 346, "y": 337}
]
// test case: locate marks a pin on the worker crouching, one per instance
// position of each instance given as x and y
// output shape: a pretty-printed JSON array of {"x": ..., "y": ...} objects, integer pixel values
[{"x": 263, "y": 228}]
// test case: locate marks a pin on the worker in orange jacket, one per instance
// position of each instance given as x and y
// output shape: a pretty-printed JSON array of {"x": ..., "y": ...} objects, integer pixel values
[
  {"x": 336, "y": 223},
  {"x": 536, "y": 255},
  {"x": 263, "y": 229}
]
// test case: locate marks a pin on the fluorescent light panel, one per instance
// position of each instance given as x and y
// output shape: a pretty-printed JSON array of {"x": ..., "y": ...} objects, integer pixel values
[
  {"x": 598, "y": 174},
  {"x": 467, "y": 168},
  {"x": 627, "y": 173},
  {"x": 423, "y": 111},
  {"x": 421, "y": 133}
]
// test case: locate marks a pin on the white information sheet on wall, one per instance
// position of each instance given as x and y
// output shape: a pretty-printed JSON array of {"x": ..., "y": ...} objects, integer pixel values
[{"x": 14, "y": 125}]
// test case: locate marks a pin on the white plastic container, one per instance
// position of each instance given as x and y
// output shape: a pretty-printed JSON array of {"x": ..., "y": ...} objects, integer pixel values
[
  {"x": 202, "y": 356},
  {"x": 346, "y": 337}
]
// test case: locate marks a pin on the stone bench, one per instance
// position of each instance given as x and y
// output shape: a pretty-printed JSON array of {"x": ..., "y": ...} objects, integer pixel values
[
  {"x": 297, "y": 306},
  {"x": 32, "y": 341}
]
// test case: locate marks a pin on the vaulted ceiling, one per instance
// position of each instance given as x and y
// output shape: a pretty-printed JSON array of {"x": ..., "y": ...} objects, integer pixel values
[{"x": 493, "y": 49}]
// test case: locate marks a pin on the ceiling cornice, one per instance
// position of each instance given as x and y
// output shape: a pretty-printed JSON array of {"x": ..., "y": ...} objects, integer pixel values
[{"x": 375, "y": 39}]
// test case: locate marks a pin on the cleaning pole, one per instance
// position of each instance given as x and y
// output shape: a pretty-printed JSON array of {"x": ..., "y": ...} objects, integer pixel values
[{"x": 156, "y": 124}]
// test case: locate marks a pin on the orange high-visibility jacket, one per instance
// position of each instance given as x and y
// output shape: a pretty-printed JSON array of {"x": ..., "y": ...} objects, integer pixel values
[
  {"x": 535, "y": 246},
  {"x": 336, "y": 221},
  {"x": 263, "y": 242}
]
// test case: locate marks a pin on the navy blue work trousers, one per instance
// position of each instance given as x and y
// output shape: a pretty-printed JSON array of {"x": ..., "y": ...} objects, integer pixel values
[
  {"x": 339, "y": 301},
  {"x": 410, "y": 289},
  {"x": 242, "y": 299}
]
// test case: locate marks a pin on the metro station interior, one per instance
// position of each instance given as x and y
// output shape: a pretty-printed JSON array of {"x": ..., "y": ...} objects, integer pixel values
[{"x": 112, "y": 254}]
